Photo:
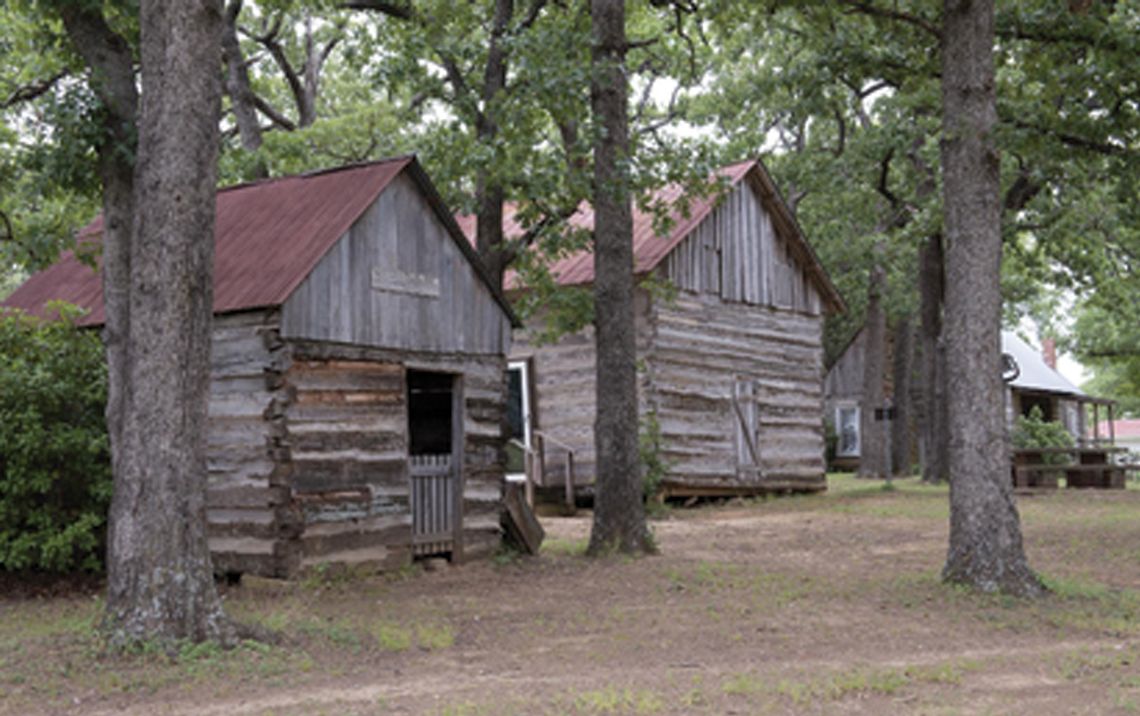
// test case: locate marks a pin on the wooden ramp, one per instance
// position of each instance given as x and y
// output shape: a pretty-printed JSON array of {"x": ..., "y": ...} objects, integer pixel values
[{"x": 522, "y": 527}]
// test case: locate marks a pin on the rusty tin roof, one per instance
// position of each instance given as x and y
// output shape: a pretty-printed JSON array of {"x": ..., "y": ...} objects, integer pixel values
[
  {"x": 269, "y": 236},
  {"x": 650, "y": 248}
]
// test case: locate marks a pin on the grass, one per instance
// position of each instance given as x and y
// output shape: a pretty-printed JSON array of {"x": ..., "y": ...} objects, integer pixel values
[{"x": 783, "y": 605}]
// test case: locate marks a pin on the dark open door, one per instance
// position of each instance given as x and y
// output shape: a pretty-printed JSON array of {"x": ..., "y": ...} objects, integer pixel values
[{"x": 434, "y": 461}]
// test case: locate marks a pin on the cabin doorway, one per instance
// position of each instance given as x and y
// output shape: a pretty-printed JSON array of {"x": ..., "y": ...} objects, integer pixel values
[
  {"x": 435, "y": 446},
  {"x": 518, "y": 419}
]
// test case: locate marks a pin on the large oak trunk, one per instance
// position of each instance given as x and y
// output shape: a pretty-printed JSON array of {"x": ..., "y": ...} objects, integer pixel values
[
  {"x": 619, "y": 515},
  {"x": 873, "y": 448},
  {"x": 985, "y": 549},
  {"x": 935, "y": 439},
  {"x": 160, "y": 581},
  {"x": 903, "y": 370}
]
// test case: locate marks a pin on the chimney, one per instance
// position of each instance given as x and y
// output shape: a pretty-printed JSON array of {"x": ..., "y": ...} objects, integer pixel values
[{"x": 1049, "y": 352}]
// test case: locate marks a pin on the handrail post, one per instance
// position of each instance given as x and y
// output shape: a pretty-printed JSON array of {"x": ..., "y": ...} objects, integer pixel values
[
  {"x": 570, "y": 506},
  {"x": 528, "y": 471}
]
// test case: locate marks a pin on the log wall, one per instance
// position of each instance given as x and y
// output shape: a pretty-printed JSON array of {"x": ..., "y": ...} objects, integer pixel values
[
  {"x": 704, "y": 353},
  {"x": 563, "y": 401},
  {"x": 249, "y": 503},
  {"x": 308, "y": 451}
]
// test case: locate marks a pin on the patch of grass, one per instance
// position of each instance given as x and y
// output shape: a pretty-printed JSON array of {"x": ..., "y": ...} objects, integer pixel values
[
  {"x": 564, "y": 547},
  {"x": 842, "y": 684},
  {"x": 614, "y": 700}
]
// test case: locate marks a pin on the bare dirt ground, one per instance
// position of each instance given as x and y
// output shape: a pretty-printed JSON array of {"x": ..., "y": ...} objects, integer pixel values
[{"x": 828, "y": 604}]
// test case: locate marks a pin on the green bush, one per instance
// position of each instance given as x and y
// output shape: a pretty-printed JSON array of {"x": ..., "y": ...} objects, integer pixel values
[
  {"x": 1033, "y": 431},
  {"x": 55, "y": 473}
]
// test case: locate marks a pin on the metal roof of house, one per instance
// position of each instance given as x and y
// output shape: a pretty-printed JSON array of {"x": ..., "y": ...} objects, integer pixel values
[
  {"x": 650, "y": 248},
  {"x": 269, "y": 236},
  {"x": 1035, "y": 372}
]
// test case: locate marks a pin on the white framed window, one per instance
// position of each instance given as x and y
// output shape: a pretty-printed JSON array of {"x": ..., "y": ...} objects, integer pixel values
[{"x": 847, "y": 431}]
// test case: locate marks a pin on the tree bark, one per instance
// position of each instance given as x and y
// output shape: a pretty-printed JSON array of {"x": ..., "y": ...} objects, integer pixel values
[
  {"x": 109, "y": 58},
  {"x": 619, "y": 514},
  {"x": 872, "y": 439},
  {"x": 489, "y": 192},
  {"x": 243, "y": 101},
  {"x": 935, "y": 436},
  {"x": 903, "y": 369},
  {"x": 985, "y": 550},
  {"x": 160, "y": 580}
]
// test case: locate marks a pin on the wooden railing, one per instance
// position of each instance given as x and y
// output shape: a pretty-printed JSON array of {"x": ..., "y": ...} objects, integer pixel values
[
  {"x": 434, "y": 505},
  {"x": 1084, "y": 466},
  {"x": 535, "y": 467}
]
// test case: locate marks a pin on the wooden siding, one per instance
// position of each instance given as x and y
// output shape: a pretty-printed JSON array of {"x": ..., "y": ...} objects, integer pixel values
[
  {"x": 563, "y": 403},
  {"x": 249, "y": 506},
  {"x": 737, "y": 254},
  {"x": 348, "y": 427},
  {"x": 398, "y": 280},
  {"x": 308, "y": 452},
  {"x": 706, "y": 351}
]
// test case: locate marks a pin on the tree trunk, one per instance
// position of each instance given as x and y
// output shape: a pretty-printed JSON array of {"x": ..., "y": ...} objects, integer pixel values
[
  {"x": 985, "y": 550},
  {"x": 489, "y": 193},
  {"x": 159, "y": 576},
  {"x": 903, "y": 369},
  {"x": 872, "y": 440},
  {"x": 935, "y": 438},
  {"x": 243, "y": 101},
  {"x": 109, "y": 57},
  {"x": 619, "y": 514}
]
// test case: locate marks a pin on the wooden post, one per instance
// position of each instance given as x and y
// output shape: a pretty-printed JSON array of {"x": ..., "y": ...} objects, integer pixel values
[
  {"x": 1111, "y": 425},
  {"x": 528, "y": 471},
  {"x": 540, "y": 466},
  {"x": 570, "y": 507}
]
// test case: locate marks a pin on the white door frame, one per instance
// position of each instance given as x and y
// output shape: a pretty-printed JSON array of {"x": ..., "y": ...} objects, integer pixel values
[{"x": 523, "y": 366}]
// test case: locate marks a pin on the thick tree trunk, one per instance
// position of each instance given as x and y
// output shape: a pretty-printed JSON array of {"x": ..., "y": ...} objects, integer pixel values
[
  {"x": 873, "y": 433},
  {"x": 109, "y": 57},
  {"x": 159, "y": 580},
  {"x": 903, "y": 370},
  {"x": 489, "y": 193},
  {"x": 985, "y": 549},
  {"x": 619, "y": 514},
  {"x": 934, "y": 433}
]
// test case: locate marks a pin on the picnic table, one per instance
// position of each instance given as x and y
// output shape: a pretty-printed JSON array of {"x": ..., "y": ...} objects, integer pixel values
[{"x": 1086, "y": 466}]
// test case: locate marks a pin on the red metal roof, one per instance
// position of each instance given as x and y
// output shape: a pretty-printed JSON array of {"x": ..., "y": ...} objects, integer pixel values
[
  {"x": 650, "y": 248},
  {"x": 270, "y": 235},
  {"x": 1123, "y": 428}
]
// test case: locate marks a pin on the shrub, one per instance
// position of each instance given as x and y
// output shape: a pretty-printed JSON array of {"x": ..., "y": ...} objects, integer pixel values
[
  {"x": 1033, "y": 431},
  {"x": 55, "y": 473}
]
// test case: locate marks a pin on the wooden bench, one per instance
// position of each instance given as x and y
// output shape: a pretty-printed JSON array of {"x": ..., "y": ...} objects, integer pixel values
[{"x": 1083, "y": 467}]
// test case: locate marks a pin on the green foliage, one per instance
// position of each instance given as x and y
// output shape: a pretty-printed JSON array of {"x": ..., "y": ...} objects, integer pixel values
[
  {"x": 55, "y": 474},
  {"x": 654, "y": 466},
  {"x": 1033, "y": 431}
]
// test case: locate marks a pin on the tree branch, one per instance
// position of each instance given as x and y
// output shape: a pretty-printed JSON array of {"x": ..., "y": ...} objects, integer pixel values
[
  {"x": 867, "y": 7},
  {"x": 276, "y": 117},
  {"x": 403, "y": 11},
  {"x": 34, "y": 90}
]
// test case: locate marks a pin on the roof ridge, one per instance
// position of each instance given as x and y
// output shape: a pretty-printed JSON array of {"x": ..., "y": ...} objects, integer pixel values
[{"x": 317, "y": 172}]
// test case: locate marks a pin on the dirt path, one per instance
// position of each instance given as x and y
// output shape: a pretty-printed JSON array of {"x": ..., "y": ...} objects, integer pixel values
[{"x": 798, "y": 606}]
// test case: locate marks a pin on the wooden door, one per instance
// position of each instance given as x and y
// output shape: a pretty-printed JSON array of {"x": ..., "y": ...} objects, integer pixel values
[{"x": 747, "y": 423}]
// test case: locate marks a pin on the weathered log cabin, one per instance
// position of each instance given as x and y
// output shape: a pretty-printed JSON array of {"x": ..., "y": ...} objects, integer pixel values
[
  {"x": 1034, "y": 382},
  {"x": 358, "y": 373},
  {"x": 731, "y": 366}
]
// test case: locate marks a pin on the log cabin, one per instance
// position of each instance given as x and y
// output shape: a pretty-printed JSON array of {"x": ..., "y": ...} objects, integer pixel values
[
  {"x": 1036, "y": 383},
  {"x": 730, "y": 363},
  {"x": 358, "y": 375}
]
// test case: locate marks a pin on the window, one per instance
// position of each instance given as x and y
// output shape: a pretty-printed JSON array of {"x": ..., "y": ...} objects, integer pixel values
[{"x": 847, "y": 429}]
